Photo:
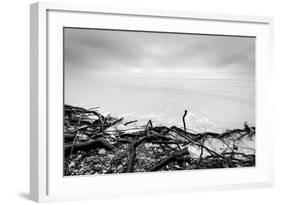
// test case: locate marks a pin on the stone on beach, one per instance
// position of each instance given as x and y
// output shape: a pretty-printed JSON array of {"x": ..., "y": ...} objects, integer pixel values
[{"x": 102, "y": 151}]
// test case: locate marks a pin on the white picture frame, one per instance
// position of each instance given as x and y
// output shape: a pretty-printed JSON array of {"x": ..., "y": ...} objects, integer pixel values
[{"x": 46, "y": 177}]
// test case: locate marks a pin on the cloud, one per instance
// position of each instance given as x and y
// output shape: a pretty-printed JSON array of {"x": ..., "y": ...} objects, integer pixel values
[{"x": 146, "y": 54}]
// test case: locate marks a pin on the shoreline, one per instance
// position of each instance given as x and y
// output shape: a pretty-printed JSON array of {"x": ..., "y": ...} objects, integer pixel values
[{"x": 97, "y": 144}]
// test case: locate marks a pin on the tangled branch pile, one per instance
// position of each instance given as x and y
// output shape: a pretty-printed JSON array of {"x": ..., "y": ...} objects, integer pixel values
[{"x": 97, "y": 144}]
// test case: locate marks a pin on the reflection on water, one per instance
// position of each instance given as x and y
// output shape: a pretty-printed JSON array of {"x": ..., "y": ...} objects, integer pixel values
[{"x": 212, "y": 104}]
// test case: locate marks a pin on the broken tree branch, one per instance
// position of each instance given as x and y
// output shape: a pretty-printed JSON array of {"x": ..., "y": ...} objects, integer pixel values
[
  {"x": 135, "y": 145},
  {"x": 183, "y": 120},
  {"x": 86, "y": 146},
  {"x": 176, "y": 156}
]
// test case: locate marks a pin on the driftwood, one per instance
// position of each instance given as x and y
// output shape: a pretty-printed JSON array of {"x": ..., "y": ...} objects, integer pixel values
[
  {"x": 180, "y": 157},
  {"x": 135, "y": 145},
  {"x": 167, "y": 147},
  {"x": 79, "y": 128},
  {"x": 130, "y": 122},
  {"x": 86, "y": 146},
  {"x": 183, "y": 119}
]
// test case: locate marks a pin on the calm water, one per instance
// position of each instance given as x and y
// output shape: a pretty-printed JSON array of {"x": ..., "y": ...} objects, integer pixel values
[{"x": 213, "y": 105}]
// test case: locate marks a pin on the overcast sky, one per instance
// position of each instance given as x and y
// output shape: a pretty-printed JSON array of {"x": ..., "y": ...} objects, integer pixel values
[{"x": 102, "y": 53}]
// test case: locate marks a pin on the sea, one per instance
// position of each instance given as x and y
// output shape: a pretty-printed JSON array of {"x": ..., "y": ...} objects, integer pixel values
[{"x": 212, "y": 104}]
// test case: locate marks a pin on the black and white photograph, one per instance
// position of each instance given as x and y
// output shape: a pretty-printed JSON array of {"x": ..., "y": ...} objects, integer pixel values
[{"x": 143, "y": 101}]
